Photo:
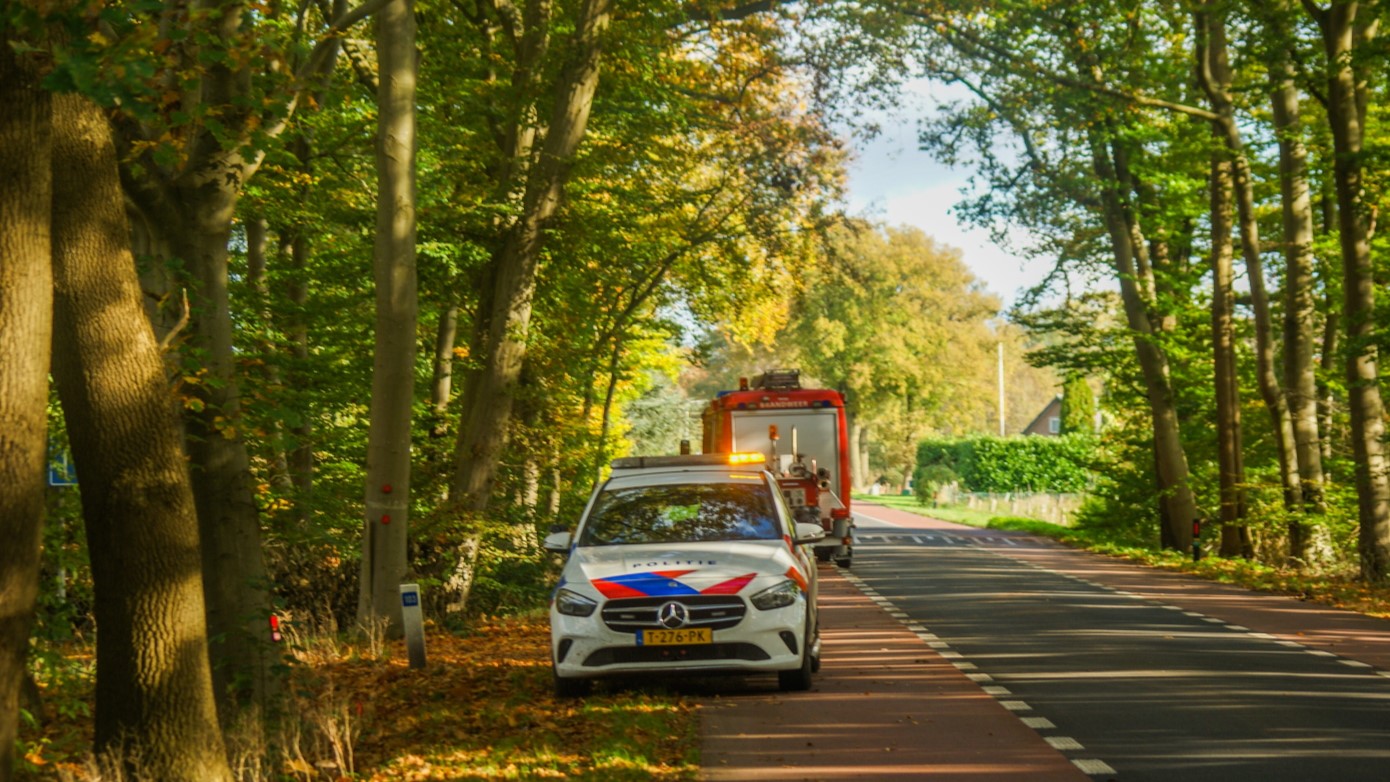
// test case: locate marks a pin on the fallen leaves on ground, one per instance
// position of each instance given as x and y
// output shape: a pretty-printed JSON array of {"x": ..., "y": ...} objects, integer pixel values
[{"x": 482, "y": 708}]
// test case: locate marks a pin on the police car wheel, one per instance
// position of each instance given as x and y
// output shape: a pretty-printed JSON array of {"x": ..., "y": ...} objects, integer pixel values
[
  {"x": 572, "y": 688},
  {"x": 798, "y": 679}
]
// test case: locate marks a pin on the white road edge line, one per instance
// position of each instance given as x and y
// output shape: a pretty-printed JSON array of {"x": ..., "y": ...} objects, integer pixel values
[
  {"x": 1088, "y": 766},
  {"x": 1092, "y": 766}
]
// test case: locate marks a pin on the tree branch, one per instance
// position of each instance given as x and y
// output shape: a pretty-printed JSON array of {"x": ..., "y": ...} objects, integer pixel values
[{"x": 974, "y": 46}]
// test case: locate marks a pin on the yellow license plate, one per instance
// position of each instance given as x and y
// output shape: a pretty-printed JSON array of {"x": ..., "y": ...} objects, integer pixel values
[{"x": 690, "y": 635}]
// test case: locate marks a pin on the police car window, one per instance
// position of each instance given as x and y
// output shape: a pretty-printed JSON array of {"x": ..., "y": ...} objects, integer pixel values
[{"x": 682, "y": 513}]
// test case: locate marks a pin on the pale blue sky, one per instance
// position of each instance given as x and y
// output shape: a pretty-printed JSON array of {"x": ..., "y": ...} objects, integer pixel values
[{"x": 894, "y": 182}]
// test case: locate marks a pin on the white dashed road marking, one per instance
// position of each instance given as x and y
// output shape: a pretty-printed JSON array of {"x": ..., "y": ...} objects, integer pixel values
[{"x": 1092, "y": 766}]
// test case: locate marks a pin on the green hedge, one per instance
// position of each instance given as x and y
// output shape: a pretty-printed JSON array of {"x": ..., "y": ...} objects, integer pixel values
[{"x": 1008, "y": 464}]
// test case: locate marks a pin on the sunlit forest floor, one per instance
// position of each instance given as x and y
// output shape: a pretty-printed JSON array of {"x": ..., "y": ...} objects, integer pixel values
[{"x": 481, "y": 709}]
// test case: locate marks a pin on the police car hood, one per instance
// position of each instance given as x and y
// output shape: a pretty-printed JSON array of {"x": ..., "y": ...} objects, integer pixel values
[{"x": 666, "y": 570}]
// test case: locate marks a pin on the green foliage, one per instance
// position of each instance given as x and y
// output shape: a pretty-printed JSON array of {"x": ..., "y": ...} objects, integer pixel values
[
  {"x": 1012, "y": 464},
  {"x": 1078, "y": 406},
  {"x": 928, "y": 479}
]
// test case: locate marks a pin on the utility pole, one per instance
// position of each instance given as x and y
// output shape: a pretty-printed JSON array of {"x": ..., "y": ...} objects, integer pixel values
[{"x": 1001, "y": 390}]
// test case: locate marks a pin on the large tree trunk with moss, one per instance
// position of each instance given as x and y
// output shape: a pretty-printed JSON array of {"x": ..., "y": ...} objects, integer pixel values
[
  {"x": 1345, "y": 36},
  {"x": 155, "y": 711},
  {"x": 190, "y": 217},
  {"x": 387, "y": 499},
  {"x": 26, "y": 322}
]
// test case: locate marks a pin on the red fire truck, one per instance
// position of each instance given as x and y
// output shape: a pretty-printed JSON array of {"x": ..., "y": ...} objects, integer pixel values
[{"x": 805, "y": 437}]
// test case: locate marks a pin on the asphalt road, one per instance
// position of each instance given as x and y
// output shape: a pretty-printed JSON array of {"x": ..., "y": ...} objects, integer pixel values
[{"x": 1145, "y": 676}]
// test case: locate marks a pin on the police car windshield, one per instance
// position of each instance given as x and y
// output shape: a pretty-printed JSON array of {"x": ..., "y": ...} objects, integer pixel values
[{"x": 682, "y": 513}]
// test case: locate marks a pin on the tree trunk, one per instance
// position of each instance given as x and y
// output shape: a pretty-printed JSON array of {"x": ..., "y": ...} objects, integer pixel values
[
  {"x": 1231, "y": 467},
  {"x": 234, "y": 572},
  {"x": 1180, "y": 507},
  {"x": 257, "y": 261},
  {"x": 485, "y": 424},
  {"x": 1343, "y": 38},
  {"x": 442, "y": 385},
  {"x": 1331, "y": 332},
  {"x": 858, "y": 478},
  {"x": 384, "y": 556},
  {"x": 865, "y": 434},
  {"x": 1215, "y": 77},
  {"x": 1300, "y": 307},
  {"x": 186, "y": 213},
  {"x": 296, "y": 249},
  {"x": 26, "y": 323},
  {"x": 606, "y": 420},
  {"x": 155, "y": 711}
]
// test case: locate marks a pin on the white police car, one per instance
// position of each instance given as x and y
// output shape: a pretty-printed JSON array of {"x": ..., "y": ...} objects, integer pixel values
[{"x": 685, "y": 564}]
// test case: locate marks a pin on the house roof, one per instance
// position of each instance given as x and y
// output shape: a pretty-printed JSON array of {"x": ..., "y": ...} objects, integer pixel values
[{"x": 1047, "y": 411}]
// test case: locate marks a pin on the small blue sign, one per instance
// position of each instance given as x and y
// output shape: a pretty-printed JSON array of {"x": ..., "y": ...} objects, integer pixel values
[
  {"x": 410, "y": 599},
  {"x": 61, "y": 471}
]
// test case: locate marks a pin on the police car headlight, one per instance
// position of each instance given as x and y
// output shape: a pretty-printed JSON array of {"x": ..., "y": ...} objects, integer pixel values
[
  {"x": 778, "y": 596},
  {"x": 573, "y": 603}
]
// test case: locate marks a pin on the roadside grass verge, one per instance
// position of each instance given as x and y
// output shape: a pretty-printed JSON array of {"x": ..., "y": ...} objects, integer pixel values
[
  {"x": 481, "y": 709},
  {"x": 1341, "y": 590}
]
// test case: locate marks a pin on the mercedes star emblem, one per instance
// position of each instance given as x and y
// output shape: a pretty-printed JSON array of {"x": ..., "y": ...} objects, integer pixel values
[{"x": 672, "y": 615}]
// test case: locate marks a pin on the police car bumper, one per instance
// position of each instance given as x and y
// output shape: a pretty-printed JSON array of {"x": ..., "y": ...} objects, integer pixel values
[{"x": 763, "y": 641}]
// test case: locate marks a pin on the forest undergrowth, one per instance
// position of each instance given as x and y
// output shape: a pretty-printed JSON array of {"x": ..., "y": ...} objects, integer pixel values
[{"x": 482, "y": 708}]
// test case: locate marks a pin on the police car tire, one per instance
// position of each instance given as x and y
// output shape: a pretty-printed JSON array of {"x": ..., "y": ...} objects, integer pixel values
[
  {"x": 798, "y": 679},
  {"x": 572, "y": 688}
]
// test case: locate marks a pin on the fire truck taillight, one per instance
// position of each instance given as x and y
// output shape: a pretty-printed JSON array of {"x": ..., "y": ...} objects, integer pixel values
[{"x": 746, "y": 458}]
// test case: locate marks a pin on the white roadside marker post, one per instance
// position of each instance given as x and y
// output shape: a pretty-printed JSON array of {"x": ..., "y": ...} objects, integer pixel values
[{"x": 413, "y": 622}]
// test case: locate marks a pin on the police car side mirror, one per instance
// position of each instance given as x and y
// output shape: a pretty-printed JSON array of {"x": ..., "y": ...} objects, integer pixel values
[
  {"x": 558, "y": 542},
  {"x": 809, "y": 533}
]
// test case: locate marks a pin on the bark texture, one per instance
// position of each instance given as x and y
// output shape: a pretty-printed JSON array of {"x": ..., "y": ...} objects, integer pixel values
[
  {"x": 1344, "y": 35},
  {"x": 1300, "y": 304},
  {"x": 26, "y": 322},
  {"x": 393, "y": 367},
  {"x": 1214, "y": 75},
  {"x": 155, "y": 711},
  {"x": 1230, "y": 461}
]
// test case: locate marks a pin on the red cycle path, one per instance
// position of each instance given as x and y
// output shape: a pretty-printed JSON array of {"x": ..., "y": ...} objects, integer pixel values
[{"x": 883, "y": 706}]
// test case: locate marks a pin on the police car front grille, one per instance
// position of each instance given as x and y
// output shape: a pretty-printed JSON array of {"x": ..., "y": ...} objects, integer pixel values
[{"x": 633, "y": 614}]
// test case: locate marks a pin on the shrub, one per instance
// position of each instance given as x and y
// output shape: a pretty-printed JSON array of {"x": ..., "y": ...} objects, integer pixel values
[
  {"x": 1011, "y": 464},
  {"x": 927, "y": 479}
]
